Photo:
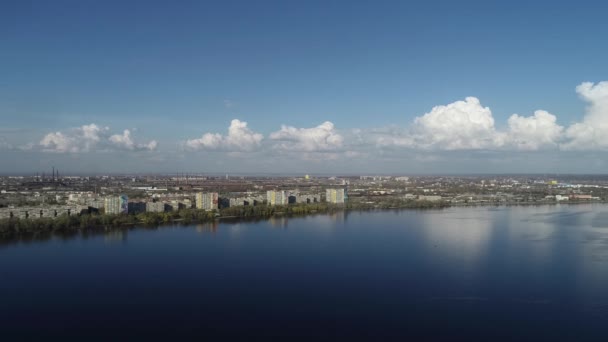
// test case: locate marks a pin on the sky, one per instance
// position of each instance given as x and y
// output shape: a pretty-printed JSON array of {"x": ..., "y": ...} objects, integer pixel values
[{"x": 386, "y": 87}]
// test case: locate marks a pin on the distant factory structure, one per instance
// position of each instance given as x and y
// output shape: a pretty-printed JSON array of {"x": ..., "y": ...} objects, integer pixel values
[
  {"x": 207, "y": 200},
  {"x": 117, "y": 204}
]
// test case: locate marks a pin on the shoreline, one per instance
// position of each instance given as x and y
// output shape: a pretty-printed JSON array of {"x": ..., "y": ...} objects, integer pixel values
[{"x": 84, "y": 225}]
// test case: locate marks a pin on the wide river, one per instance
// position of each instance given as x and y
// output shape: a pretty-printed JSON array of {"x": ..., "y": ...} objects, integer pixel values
[{"x": 506, "y": 273}]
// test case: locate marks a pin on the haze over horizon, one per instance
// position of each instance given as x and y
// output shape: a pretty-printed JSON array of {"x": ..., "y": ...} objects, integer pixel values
[{"x": 274, "y": 87}]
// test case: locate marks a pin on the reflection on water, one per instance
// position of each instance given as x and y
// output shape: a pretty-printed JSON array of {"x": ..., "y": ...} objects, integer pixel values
[
  {"x": 278, "y": 222},
  {"x": 538, "y": 273},
  {"x": 570, "y": 215},
  {"x": 457, "y": 236},
  {"x": 328, "y": 219},
  {"x": 600, "y": 220},
  {"x": 339, "y": 216},
  {"x": 117, "y": 235},
  {"x": 530, "y": 235},
  {"x": 208, "y": 227}
]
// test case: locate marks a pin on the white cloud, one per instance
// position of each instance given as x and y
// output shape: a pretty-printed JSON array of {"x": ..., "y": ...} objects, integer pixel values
[
  {"x": 61, "y": 143},
  {"x": 467, "y": 125},
  {"x": 125, "y": 141},
  {"x": 207, "y": 141},
  {"x": 316, "y": 139},
  {"x": 386, "y": 137},
  {"x": 57, "y": 142},
  {"x": 464, "y": 125},
  {"x": 88, "y": 138},
  {"x": 4, "y": 144},
  {"x": 152, "y": 145},
  {"x": 27, "y": 147},
  {"x": 592, "y": 132},
  {"x": 534, "y": 132},
  {"x": 239, "y": 138},
  {"x": 456, "y": 126},
  {"x": 80, "y": 139}
]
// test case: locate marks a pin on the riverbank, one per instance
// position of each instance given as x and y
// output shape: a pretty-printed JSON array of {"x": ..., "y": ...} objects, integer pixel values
[{"x": 15, "y": 227}]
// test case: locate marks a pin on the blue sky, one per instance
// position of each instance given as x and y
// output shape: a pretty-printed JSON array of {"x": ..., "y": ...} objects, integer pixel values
[{"x": 171, "y": 72}]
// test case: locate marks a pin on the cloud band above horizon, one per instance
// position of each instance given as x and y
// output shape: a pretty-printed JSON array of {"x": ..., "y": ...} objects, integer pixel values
[{"x": 458, "y": 126}]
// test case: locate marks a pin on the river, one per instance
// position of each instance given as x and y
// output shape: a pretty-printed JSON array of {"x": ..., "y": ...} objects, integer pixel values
[{"x": 504, "y": 273}]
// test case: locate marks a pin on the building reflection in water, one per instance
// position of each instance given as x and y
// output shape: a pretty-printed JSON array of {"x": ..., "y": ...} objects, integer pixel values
[
  {"x": 536, "y": 229},
  {"x": 591, "y": 264},
  {"x": 339, "y": 216},
  {"x": 327, "y": 220},
  {"x": 550, "y": 236},
  {"x": 210, "y": 227},
  {"x": 463, "y": 239},
  {"x": 115, "y": 236},
  {"x": 278, "y": 222}
]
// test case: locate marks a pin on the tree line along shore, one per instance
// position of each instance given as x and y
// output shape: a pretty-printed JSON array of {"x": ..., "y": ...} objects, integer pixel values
[{"x": 15, "y": 226}]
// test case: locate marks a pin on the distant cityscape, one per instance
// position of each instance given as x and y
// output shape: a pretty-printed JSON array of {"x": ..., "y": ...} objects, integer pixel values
[{"x": 43, "y": 196}]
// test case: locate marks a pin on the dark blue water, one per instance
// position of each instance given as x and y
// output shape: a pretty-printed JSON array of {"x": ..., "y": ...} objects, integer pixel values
[{"x": 455, "y": 274}]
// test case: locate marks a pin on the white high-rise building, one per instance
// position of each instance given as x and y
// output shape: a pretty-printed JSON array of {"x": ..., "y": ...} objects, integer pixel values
[
  {"x": 116, "y": 204},
  {"x": 336, "y": 196},
  {"x": 207, "y": 200},
  {"x": 274, "y": 197}
]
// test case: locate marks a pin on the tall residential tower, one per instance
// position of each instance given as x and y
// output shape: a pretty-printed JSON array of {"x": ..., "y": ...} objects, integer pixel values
[
  {"x": 336, "y": 196},
  {"x": 207, "y": 200}
]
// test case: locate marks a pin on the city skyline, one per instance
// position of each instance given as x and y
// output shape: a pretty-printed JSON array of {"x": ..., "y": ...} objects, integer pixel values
[{"x": 320, "y": 88}]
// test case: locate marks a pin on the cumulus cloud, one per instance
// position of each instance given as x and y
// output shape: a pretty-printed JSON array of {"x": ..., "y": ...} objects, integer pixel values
[
  {"x": 456, "y": 126},
  {"x": 58, "y": 142},
  {"x": 316, "y": 139},
  {"x": 534, "y": 132},
  {"x": 461, "y": 125},
  {"x": 239, "y": 138},
  {"x": 4, "y": 144},
  {"x": 592, "y": 132},
  {"x": 467, "y": 125},
  {"x": 80, "y": 139},
  {"x": 125, "y": 141},
  {"x": 88, "y": 138}
]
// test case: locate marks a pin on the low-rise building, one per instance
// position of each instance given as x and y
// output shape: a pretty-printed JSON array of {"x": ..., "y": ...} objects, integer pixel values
[
  {"x": 581, "y": 197},
  {"x": 431, "y": 198},
  {"x": 41, "y": 211},
  {"x": 157, "y": 207},
  {"x": 244, "y": 200},
  {"x": 137, "y": 207},
  {"x": 308, "y": 198}
]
